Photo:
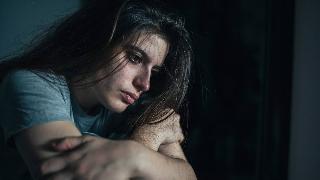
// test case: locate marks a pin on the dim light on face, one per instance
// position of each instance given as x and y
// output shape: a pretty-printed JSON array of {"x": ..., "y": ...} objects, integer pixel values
[{"x": 117, "y": 91}]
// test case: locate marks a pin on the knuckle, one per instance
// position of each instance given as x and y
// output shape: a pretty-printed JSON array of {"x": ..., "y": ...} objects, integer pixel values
[{"x": 66, "y": 143}]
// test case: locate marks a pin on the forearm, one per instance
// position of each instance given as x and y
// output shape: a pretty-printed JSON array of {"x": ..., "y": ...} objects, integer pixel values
[
  {"x": 33, "y": 143},
  {"x": 159, "y": 166}
]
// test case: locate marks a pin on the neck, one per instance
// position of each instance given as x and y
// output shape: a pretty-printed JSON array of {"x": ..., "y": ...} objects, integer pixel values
[{"x": 84, "y": 96}]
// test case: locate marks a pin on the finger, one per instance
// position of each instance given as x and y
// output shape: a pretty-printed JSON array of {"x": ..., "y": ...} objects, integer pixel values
[
  {"x": 62, "y": 161},
  {"x": 68, "y": 143},
  {"x": 89, "y": 171},
  {"x": 65, "y": 174},
  {"x": 52, "y": 165}
]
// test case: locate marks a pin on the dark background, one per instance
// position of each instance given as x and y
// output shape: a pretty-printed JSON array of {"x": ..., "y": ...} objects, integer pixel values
[
  {"x": 248, "y": 110},
  {"x": 242, "y": 90}
]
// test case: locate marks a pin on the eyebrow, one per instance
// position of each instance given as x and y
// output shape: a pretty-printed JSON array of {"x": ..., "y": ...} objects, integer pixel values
[{"x": 144, "y": 54}]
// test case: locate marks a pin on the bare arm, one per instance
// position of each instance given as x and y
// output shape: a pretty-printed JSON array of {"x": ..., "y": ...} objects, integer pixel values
[
  {"x": 32, "y": 143},
  {"x": 153, "y": 153},
  {"x": 162, "y": 166},
  {"x": 34, "y": 146},
  {"x": 169, "y": 162},
  {"x": 173, "y": 150},
  {"x": 133, "y": 161}
]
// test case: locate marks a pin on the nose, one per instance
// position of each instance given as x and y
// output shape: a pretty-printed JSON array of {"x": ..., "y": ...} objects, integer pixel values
[{"x": 142, "y": 81}]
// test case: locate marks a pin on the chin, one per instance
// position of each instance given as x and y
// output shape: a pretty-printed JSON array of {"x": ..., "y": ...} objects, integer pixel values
[
  {"x": 116, "y": 106},
  {"x": 118, "y": 110}
]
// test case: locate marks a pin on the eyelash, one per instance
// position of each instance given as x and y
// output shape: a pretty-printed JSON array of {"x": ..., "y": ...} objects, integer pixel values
[
  {"x": 134, "y": 57},
  {"x": 155, "y": 71}
]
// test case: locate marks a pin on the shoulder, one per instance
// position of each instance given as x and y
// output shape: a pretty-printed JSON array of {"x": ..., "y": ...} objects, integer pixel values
[
  {"x": 26, "y": 81},
  {"x": 23, "y": 77},
  {"x": 16, "y": 76},
  {"x": 30, "y": 98}
]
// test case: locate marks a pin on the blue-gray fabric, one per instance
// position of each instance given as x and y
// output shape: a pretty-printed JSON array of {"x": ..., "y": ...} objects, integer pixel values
[{"x": 30, "y": 98}]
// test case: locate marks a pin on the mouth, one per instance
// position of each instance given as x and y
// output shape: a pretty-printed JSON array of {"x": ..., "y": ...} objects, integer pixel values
[{"x": 128, "y": 97}]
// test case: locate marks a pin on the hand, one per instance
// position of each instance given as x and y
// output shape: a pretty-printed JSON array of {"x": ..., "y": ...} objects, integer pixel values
[
  {"x": 89, "y": 157},
  {"x": 165, "y": 132}
]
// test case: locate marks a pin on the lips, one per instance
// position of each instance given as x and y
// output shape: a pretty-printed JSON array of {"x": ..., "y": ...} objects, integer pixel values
[{"x": 128, "y": 97}]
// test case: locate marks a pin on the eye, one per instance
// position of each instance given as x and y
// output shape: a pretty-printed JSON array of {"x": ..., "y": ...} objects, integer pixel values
[
  {"x": 134, "y": 57},
  {"x": 156, "y": 71}
]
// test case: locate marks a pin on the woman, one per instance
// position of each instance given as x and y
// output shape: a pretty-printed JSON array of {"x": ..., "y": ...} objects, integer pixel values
[{"x": 130, "y": 58}]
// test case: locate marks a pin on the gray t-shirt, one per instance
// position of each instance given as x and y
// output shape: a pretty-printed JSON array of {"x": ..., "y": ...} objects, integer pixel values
[{"x": 30, "y": 98}]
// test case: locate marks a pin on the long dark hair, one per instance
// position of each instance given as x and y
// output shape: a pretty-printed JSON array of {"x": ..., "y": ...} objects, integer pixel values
[{"x": 82, "y": 43}]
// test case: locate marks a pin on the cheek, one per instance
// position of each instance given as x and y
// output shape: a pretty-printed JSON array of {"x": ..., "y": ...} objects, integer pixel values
[
  {"x": 108, "y": 90},
  {"x": 121, "y": 79},
  {"x": 124, "y": 76}
]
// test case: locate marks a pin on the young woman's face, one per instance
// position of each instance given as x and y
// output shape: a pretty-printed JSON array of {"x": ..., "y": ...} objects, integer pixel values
[{"x": 139, "y": 61}]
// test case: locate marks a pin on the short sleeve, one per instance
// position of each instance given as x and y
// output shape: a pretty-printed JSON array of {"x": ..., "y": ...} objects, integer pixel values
[{"x": 28, "y": 99}]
